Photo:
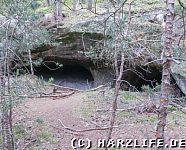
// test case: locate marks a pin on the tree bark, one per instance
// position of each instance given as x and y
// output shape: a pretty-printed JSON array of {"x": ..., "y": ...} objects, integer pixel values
[
  {"x": 55, "y": 10},
  {"x": 167, "y": 59},
  {"x": 6, "y": 102},
  {"x": 5, "y": 116},
  {"x": 75, "y": 4},
  {"x": 2, "y": 93},
  {"x": 8, "y": 111},
  {"x": 116, "y": 93},
  {"x": 60, "y": 8},
  {"x": 89, "y": 4},
  {"x": 48, "y": 2},
  {"x": 30, "y": 61}
]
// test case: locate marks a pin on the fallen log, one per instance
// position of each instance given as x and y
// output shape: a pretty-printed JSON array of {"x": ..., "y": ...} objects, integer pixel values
[
  {"x": 84, "y": 130},
  {"x": 64, "y": 87},
  {"x": 78, "y": 90}
]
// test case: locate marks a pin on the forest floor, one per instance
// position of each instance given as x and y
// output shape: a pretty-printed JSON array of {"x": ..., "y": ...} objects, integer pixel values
[{"x": 51, "y": 123}]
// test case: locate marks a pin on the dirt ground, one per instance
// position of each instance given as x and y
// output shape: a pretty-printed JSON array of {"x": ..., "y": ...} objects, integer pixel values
[{"x": 51, "y": 123}]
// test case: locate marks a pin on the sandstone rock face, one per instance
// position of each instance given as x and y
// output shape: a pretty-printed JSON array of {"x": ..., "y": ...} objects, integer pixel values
[
  {"x": 178, "y": 68},
  {"x": 71, "y": 47},
  {"x": 179, "y": 74},
  {"x": 71, "y": 50},
  {"x": 75, "y": 40}
]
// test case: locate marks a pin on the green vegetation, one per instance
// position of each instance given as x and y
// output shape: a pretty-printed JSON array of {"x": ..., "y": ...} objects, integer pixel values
[
  {"x": 171, "y": 108},
  {"x": 150, "y": 90},
  {"x": 19, "y": 131},
  {"x": 86, "y": 111},
  {"x": 44, "y": 10},
  {"x": 128, "y": 96},
  {"x": 50, "y": 80},
  {"x": 111, "y": 32},
  {"x": 40, "y": 120},
  {"x": 125, "y": 116},
  {"x": 45, "y": 135}
]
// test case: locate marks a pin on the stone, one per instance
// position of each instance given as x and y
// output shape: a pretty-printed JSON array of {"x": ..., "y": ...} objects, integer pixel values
[{"x": 179, "y": 75}]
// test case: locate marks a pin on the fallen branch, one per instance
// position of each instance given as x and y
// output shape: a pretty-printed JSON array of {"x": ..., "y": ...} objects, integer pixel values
[
  {"x": 64, "y": 87},
  {"x": 32, "y": 141},
  {"x": 45, "y": 95},
  {"x": 94, "y": 89},
  {"x": 62, "y": 95},
  {"x": 66, "y": 131},
  {"x": 118, "y": 109},
  {"x": 85, "y": 130},
  {"x": 78, "y": 90},
  {"x": 179, "y": 107}
]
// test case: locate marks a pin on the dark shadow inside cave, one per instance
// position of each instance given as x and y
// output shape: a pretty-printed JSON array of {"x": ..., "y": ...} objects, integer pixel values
[
  {"x": 73, "y": 76},
  {"x": 135, "y": 79}
]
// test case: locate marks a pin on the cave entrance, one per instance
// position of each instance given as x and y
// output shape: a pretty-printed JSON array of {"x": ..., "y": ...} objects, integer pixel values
[
  {"x": 73, "y": 76},
  {"x": 142, "y": 77}
]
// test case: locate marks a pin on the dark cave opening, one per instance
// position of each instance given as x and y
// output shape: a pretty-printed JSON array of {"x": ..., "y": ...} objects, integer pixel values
[
  {"x": 79, "y": 77},
  {"x": 135, "y": 79},
  {"x": 73, "y": 76}
]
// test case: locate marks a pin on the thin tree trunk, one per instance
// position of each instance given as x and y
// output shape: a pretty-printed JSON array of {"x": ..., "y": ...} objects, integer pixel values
[
  {"x": 95, "y": 5},
  {"x": 5, "y": 120},
  {"x": 48, "y": 2},
  {"x": 7, "y": 139},
  {"x": 55, "y": 10},
  {"x": 11, "y": 139},
  {"x": 60, "y": 8},
  {"x": 30, "y": 61},
  {"x": 89, "y": 4},
  {"x": 116, "y": 93},
  {"x": 75, "y": 4},
  {"x": 167, "y": 58},
  {"x": 1, "y": 96},
  {"x": 119, "y": 73},
  {"x": 6, "y": 103}
]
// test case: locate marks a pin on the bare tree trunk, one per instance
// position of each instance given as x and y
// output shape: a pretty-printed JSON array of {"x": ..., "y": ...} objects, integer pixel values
[
  {"x": 6, "y": 102},
  {"x": 95, "y": 5},
  {"x": 48, "y": 2},
  {"x": 89, "y": 4},
  {"x": 30, "y": 61},
  {"x": 55, "y": 10},
  {"x": 6, "y": 118},
  {"x": 116, "y": 92},
  {"x": 1, "y": 96},
  {"x": 119, "y": 73},
  {"x": 9, "y": 111},
  {"x": 75, "y": 4},
  {"x": 7, "y": 134},
  {"x": 167, "y": 58},
  {"x": 60, "y": 8}
]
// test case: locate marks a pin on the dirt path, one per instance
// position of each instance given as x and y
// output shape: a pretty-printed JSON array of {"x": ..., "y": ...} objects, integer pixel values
[
  {"x": 38, "y": 127},
  {"x": 48, "y": 113}
]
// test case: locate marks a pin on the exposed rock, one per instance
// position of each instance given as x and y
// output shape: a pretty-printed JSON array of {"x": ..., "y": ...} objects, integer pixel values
[
  {"x": 71, "y": 48},
  {"x": 3, "y": 19},
  {"x": 71, "y": 51},
  {"x": 102, "y": 76},
  {"x": 179, "y": 74},
  {"x": 76, "y": 38}
]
